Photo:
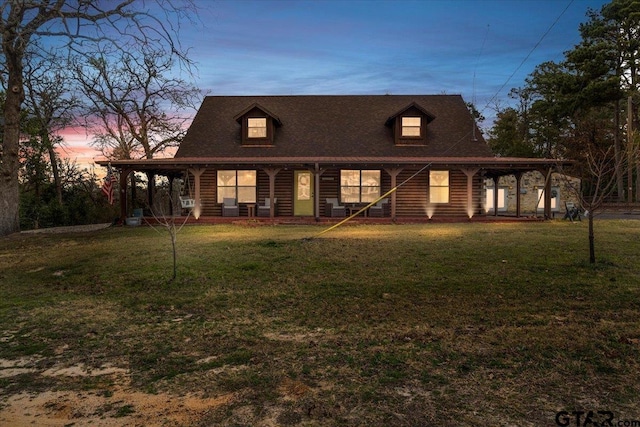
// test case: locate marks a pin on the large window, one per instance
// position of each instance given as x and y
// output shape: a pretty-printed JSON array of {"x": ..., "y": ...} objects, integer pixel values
[
  {"x": 439, "y": 186},
  {"x": 257, "y": 128},
  {"x": 359, "y": 186},
  {"x": 411, "y": 126},
  {"x": 555, "y": 198},
  {"x": 502, "y": 199},
  {"x": 237, "y": 184}
]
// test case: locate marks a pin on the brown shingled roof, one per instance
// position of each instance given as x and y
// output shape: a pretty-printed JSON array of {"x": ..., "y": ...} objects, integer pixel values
[{"x": 335, "y": 126}]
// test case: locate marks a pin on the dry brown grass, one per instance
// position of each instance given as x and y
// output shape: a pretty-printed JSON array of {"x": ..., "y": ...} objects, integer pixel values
[{"x": 435, "y": 324}]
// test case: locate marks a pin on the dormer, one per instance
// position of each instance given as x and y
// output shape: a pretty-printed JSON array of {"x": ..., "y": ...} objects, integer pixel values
[
  {"x": 410, "y": 125},
  {"x": 257, "y": 126}
]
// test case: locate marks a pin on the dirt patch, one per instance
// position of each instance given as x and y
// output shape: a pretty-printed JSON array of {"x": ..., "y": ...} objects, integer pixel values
[
  {"x": 69, "y": 229},
  {"x": 120, "y": 408},
  {"x": 119, "y": 405}
]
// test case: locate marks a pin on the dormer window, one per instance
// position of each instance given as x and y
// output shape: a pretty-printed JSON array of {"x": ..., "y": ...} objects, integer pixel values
[
  {"x": 257, "y": 127},
  {"x": 411, "y": 126}
]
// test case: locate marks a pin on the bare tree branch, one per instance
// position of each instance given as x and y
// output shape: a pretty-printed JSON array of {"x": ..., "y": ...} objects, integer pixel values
[{"x": 72, "y": 25}]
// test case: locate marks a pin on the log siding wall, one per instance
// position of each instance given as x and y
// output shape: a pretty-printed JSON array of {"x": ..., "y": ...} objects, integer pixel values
[{"x": 412, "y": 198}]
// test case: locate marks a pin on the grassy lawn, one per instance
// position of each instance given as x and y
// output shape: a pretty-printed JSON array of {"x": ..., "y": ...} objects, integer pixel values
[{"x": 409, "y": 325}]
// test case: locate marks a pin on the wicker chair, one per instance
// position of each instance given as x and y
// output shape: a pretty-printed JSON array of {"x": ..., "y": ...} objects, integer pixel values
[
  {"x": 230, "y": 207},
  {"x": 265, "y": 210},
  {"x": 332, "y": 208},
  {"x": 379, "y": 209}
]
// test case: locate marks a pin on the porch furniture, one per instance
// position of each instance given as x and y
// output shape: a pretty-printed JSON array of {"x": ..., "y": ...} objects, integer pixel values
[
  {"x": 265, "y": 210},
  {"x": 230, "y": 207},
  {"x": 355, "y": 208},
  {"x": 187, "y": 202},
  {"x": 133, "y": 221},
  {"x": 332, "y": 208},
  {"x": 251, "y": 210},
  {"x": 379, "y": 209},
  {"x": 571, "y": 212}
]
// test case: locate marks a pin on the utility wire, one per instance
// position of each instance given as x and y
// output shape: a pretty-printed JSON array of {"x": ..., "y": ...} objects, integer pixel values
[
  {"x": 461, "y": 139},
  {"x": 528, "y": 55}
]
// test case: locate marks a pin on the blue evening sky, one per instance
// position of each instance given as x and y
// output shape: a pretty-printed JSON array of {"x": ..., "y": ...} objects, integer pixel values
[{"x": 477, "y": 48}]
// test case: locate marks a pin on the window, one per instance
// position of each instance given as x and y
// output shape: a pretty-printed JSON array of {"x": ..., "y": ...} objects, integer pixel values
[
  {"x": 257, "y": 127},
  {"x": 555, "y": 198},
  {"x": 438, "y": 186},
  {"x": 359, "y": 186},
  {"x": 411, "y": 126},
  {"x": 502, "y": 199},
  {"x": 237, "y": 184}
]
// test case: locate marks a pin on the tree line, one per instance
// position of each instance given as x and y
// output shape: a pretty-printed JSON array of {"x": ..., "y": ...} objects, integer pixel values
[
  {"x": 115, "y": 69},
  {"x": 584, "y": 107}
]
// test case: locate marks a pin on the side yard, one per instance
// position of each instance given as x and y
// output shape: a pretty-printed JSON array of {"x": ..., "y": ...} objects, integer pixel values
[{"x": 434, "y": 324}]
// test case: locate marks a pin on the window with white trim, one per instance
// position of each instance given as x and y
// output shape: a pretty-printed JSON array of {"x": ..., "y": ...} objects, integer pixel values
[
  {"x": 411, "y": 126},
  {"x": 502, "y": 199},
  {"x": 237, "y": 184},
  {"x": 438, "y": 186},
  {"x": 359, "y": 186},
  {"x": 555, "y": 198},
  {"x": 257, "y": 127}
]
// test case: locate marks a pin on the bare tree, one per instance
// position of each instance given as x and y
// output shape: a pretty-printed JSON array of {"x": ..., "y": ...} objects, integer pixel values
[
  {"x": 598, "y": 173},
  {"x": 136, "y": 102},
  {"x": 69, "y": 24},
  {"x": 170, "y": 223},
  {"x": 50, "y": 105}
]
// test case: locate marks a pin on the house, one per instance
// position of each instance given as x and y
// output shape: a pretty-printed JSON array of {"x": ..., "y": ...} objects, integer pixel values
[{"x": 421, "y": 154}]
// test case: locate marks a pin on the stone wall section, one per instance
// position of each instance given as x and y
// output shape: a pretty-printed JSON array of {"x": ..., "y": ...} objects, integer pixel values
[{"x": 562, "y": 190}]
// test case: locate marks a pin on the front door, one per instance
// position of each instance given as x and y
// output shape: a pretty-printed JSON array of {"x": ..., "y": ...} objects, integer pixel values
[{"x": 303, "y": 194}]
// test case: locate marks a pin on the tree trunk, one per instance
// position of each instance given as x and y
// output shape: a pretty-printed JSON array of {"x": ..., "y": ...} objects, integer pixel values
[
  {"x": 592, "y": 247},
  {"x": 53, "y": 158},
  {"x": 618, "y": 154},
  {"x": 173, "y": 233},
  {"x": 9, "y": 160},
  {"x": 637, "y": 181}
]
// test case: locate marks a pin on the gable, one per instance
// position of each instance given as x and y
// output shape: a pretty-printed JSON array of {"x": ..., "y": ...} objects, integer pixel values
[
  {"x": 257, "y": 125},
  {"x": 333, "y": 126},
  {"x": 410, "y": 125}
]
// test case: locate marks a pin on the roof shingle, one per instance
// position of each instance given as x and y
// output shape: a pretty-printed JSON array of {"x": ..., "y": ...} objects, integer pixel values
[{"x": 333, "y": 126}]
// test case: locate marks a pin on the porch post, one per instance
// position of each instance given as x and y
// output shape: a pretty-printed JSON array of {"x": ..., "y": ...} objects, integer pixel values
[
  {"x": 272, "y": 172},
  {"x": 317, "y": 172},
  {"x": 547, "y": 195},
  {"x": 151, "y": 177},
  {"x": 495, "y": 195},
  {"x": 393, "y": 173},
  {"x": 124, "y": 174},
  {"x": 518, "y": 181},
  {"x": 171, "y": 178},
  {"x": 470, "y": 173},
  {"x": 196, "y": 172}
]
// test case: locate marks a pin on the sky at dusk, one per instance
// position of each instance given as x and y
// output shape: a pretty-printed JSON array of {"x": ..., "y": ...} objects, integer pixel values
[{"x": 477, "y": 48}]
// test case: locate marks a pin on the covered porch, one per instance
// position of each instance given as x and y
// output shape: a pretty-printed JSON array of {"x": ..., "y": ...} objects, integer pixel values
[{"x": 404, "y": 183}]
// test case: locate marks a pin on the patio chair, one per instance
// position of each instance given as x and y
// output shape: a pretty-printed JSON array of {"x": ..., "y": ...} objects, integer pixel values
[
  {"x": 332, "y": 208},
  {"x": 571, "y": 212},
  {"x": 230, "y": 207},
  {"x": 379, "y": 209},
  {"x": 265, "y": 210}
]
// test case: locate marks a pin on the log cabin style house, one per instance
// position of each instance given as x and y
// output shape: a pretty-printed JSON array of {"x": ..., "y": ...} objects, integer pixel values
[{"x": 411, "y": 156}]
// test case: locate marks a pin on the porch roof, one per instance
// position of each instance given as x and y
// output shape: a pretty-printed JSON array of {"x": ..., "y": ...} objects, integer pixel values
[{"x": 494, "y": 166}]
